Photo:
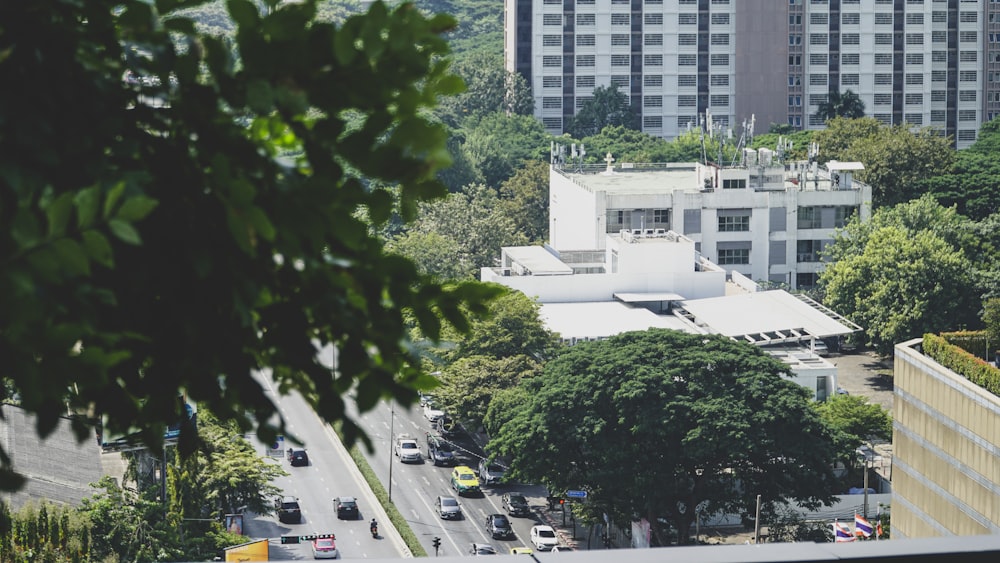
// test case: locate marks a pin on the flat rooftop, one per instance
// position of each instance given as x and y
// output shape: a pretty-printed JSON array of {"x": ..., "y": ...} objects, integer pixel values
[
  {"x": 752, "y": 314},
  {"x": 537, "y": 260},
  {"x": 593, "y": 320},
  {"x": 645, "y": 180}
]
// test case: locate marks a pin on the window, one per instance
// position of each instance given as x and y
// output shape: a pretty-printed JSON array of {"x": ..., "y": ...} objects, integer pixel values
[
  {"x": 552, "y": 81},
  {"x": 818, "y": 39},
  {"x": 968, "y": 56},
  {"x": 582, "y": 60},
  {"x": 552, "y": 123},
  {"x": 815, "y": 119},
  {"x": 883, "y": 18},
  {"x": 734, "y": 223},
  {"x": 621, "y": 82},
  {"x": 620, "y": 39},
  {"x": 652, "y": 102},
  {"x": 735, "y": 184},
  {"x": 817, "y": 79},
  {"x": 883, "y": 79},
  {"x": 720, "y": 80},
  {"x": 552, "y": 102},
  {"x": 687, "y": 19},
  {"x": 939, "y": 96},
  {"x": 687, "y": 38},
  {"x": 914, "y": 18},
  {"x": 687, "y": 80},
  {"x": 968, "y": 36},
  {"x": 967, "y": 96},
  {"x": 850, "y": 79},
  {"x": 884, "y": 118},
  {"x": 850, "y": 39},
  {"x": 687, "y": 60},
  {"x": 939, "y": 56},
  {"x": 883, "y": 39},
  {"x": 967, "y": 76},
  {"x": 687, "y": 101},
  {"x": 718, "y": 100},
  {"x": 585, "y": 40},
  {"x": 939, "y": 37},
  {"x": 585, "y": 19},
  {"x": 720, "y": 19},
  {"x": 883, "y": 99},
  {"x": 556, "y": 61},
  {"x": 720, "y": 39},
  {"x": 819, "y": 18},
  {"x": 734, "y": 256},
  {"x": 818, "y": 59},
  {"x": 794, "y": 60},
  {"x": 620, "y": 19},
  {"x": 652, "y": 60},
  {"x": 582, "y": 101},
  {"x": 914, "y": 79},
  {"x": 939, "y": 76},
  {"x": 720, "y": 60},
  {"x": 653, "y": 39},
  {"x": 652, "y": 122},
  {"x": 808, "y": 250},
  {"x": 687, "y": 121},
  {"x": 809, "y": 218},
  {"x": 914, "y": 38},
  {"x": 585, "y": 82},
  {"x": 914, "y": 118},
  {"x": 939, "y": 17},
  {"x": 653, "y": 19},
  {"x": 619, "y": 60},
  {"x": 817, "y": 99},
  {"x": 914, "y": 58},
  {"x": 555, "y": 19},
  {"x": 850, "y": 18},
  {"x": 967, "y": 135},
  {"x": 966, "y": 115},
  {"x": 850, "y": 59},
  {"x": 652, "y": 80},
  {"x": 914, "y": 99},
  {"x": 968, "y": 17}
]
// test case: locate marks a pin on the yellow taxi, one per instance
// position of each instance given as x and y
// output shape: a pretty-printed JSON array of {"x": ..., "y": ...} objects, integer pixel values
[
  {"x": 521, "y": 551},
  {"x": 464, "y": 480}
]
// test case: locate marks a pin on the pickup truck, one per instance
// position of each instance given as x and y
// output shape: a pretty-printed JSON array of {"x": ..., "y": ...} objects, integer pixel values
[{"x": 407, "y": 449}]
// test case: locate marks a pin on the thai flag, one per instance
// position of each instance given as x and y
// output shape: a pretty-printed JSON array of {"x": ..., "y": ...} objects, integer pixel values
[
  {"x": 862, "y": 527},
  {"x": 842, "y": 532}
]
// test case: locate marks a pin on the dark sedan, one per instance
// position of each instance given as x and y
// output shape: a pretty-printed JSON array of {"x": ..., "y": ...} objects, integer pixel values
[{"x": 498, "y": 527}]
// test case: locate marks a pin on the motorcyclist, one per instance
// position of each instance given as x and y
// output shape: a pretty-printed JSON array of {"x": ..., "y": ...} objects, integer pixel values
[{"x": 374, "y": 527}]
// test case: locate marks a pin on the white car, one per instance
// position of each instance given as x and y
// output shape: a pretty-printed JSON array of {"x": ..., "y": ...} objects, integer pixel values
[
  {"x": 407, "y": 449},
  {"x": 544, "y": 537},
  {"x": 432, "y": 414}
]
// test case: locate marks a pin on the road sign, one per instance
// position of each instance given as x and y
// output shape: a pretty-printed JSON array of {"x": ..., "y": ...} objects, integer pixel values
[{"x": 576, "y": 494}]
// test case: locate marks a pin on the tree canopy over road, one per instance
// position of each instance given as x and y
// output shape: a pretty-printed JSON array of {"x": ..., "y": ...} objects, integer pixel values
[{"x": 655, "y": 423}]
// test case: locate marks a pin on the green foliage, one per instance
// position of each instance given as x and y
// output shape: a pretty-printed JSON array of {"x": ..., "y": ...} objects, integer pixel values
[
  {"x": 512, "y": 327},
  {"x": 991, "y": 319},
  {"x": 627, "y": 145},
  {"x": 904, "y": 273},
  {"x": 608, "y": 106},
  {"x": 498, "y": 144},
  {"x": 434, "y": 253},
  {"x": 525, "y": 199},
  {"x": 859, "y": 420},
  {"x": 963, "y": 363},
  {"x": 489, "y": 88},
  {"x": 800, "y": 143},
  {"x": 903, "y": 284},
  {"x": 655, "y": 423},
  {"x": 202, "y": 222},
  {"x": 896, "y": 159},
  {"x": 847, "y": 105},
  {"x": 786, "y": 525},
  {"x": 972, "y": 184},
  {"x": 470, "y": 384},
  {"x": 43, "y": 532}
]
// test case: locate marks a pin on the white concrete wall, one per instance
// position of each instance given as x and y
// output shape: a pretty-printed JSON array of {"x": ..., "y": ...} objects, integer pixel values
[
  {"x": 602, "y": 287},
  {"x": 576, "y": 215},
  {"x": 653, "y": 256}
]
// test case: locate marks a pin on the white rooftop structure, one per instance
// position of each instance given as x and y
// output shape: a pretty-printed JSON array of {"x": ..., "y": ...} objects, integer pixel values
[
  {"x": 766, "y": 316},
  {"x": 576, "y": 322},
  {"x": 534, "y": 261}
]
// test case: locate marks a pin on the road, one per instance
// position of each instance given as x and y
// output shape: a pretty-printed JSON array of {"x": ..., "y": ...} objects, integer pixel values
[
  {"x": 415, "y": 486},
  {"x": 330, "y": 473}
]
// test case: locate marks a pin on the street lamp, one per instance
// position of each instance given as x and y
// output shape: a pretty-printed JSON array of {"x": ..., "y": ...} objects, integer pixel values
[{"x": 697, "y": 512}]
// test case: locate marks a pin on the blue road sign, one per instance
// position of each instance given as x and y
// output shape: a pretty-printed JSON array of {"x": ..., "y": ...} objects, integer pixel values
[{"x": 576, "y": 494}]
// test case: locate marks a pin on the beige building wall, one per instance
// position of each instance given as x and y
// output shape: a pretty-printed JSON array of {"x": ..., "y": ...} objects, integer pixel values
[{"x": 946, "y": 442}]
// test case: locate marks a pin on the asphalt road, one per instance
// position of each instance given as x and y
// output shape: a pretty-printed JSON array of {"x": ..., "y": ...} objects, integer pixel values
[{"x": 859, "y": 374}]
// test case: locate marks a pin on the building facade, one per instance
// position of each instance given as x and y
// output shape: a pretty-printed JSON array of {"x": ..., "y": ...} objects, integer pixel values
[
  {"x": 946, "y": 459},
  {"x": 922, "y": 62},
  {"x": 768, "y": 222}
]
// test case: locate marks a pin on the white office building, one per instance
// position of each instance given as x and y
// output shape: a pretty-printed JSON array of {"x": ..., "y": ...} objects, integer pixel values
[
  {"x": 922, "y": 62},
  {"x": 768, "y": 221}
]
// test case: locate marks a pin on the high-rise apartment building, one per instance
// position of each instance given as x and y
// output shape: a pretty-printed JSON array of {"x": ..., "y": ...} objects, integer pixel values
[{"x": 922, "y": 62}]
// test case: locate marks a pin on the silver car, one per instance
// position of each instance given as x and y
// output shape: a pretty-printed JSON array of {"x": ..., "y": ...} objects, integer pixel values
[{"x": 448, "y": 508}]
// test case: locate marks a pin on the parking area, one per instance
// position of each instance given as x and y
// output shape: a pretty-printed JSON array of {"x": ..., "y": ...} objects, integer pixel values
[{"x": 862, "y": 373}]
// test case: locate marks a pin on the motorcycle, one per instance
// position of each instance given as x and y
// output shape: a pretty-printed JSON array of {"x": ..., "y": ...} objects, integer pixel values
[{"x": 374, "y": 529}]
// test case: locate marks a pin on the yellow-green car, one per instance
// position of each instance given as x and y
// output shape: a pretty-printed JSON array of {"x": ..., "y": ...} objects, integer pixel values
[{"x": 464, "y": 480}]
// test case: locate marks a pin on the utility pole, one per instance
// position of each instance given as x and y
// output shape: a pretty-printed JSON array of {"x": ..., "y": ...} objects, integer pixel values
[
  {"x": 392, "y": 425},
  {"x": 756, "y": 524}
]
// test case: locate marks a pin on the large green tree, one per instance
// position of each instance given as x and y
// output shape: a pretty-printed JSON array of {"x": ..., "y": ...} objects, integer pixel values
[
  {"x": 525, "y": 199},
  {"x": 901, "y": 285},
  {"x": 653, "y": 424},
  {"x": 498, "y": 145},
  {"x": 608, "y": 106},
  {"x": 489, "y": 88},
  {"x": 172, "y": 219},
  {"x": 858, "y": 419}
]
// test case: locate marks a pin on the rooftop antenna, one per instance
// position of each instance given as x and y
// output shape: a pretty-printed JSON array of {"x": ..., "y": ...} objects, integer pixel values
[
  {"x": 577, "y": 156},
  {"x": 746, "y": 139},
  {"x": 813, "y": 163}
]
